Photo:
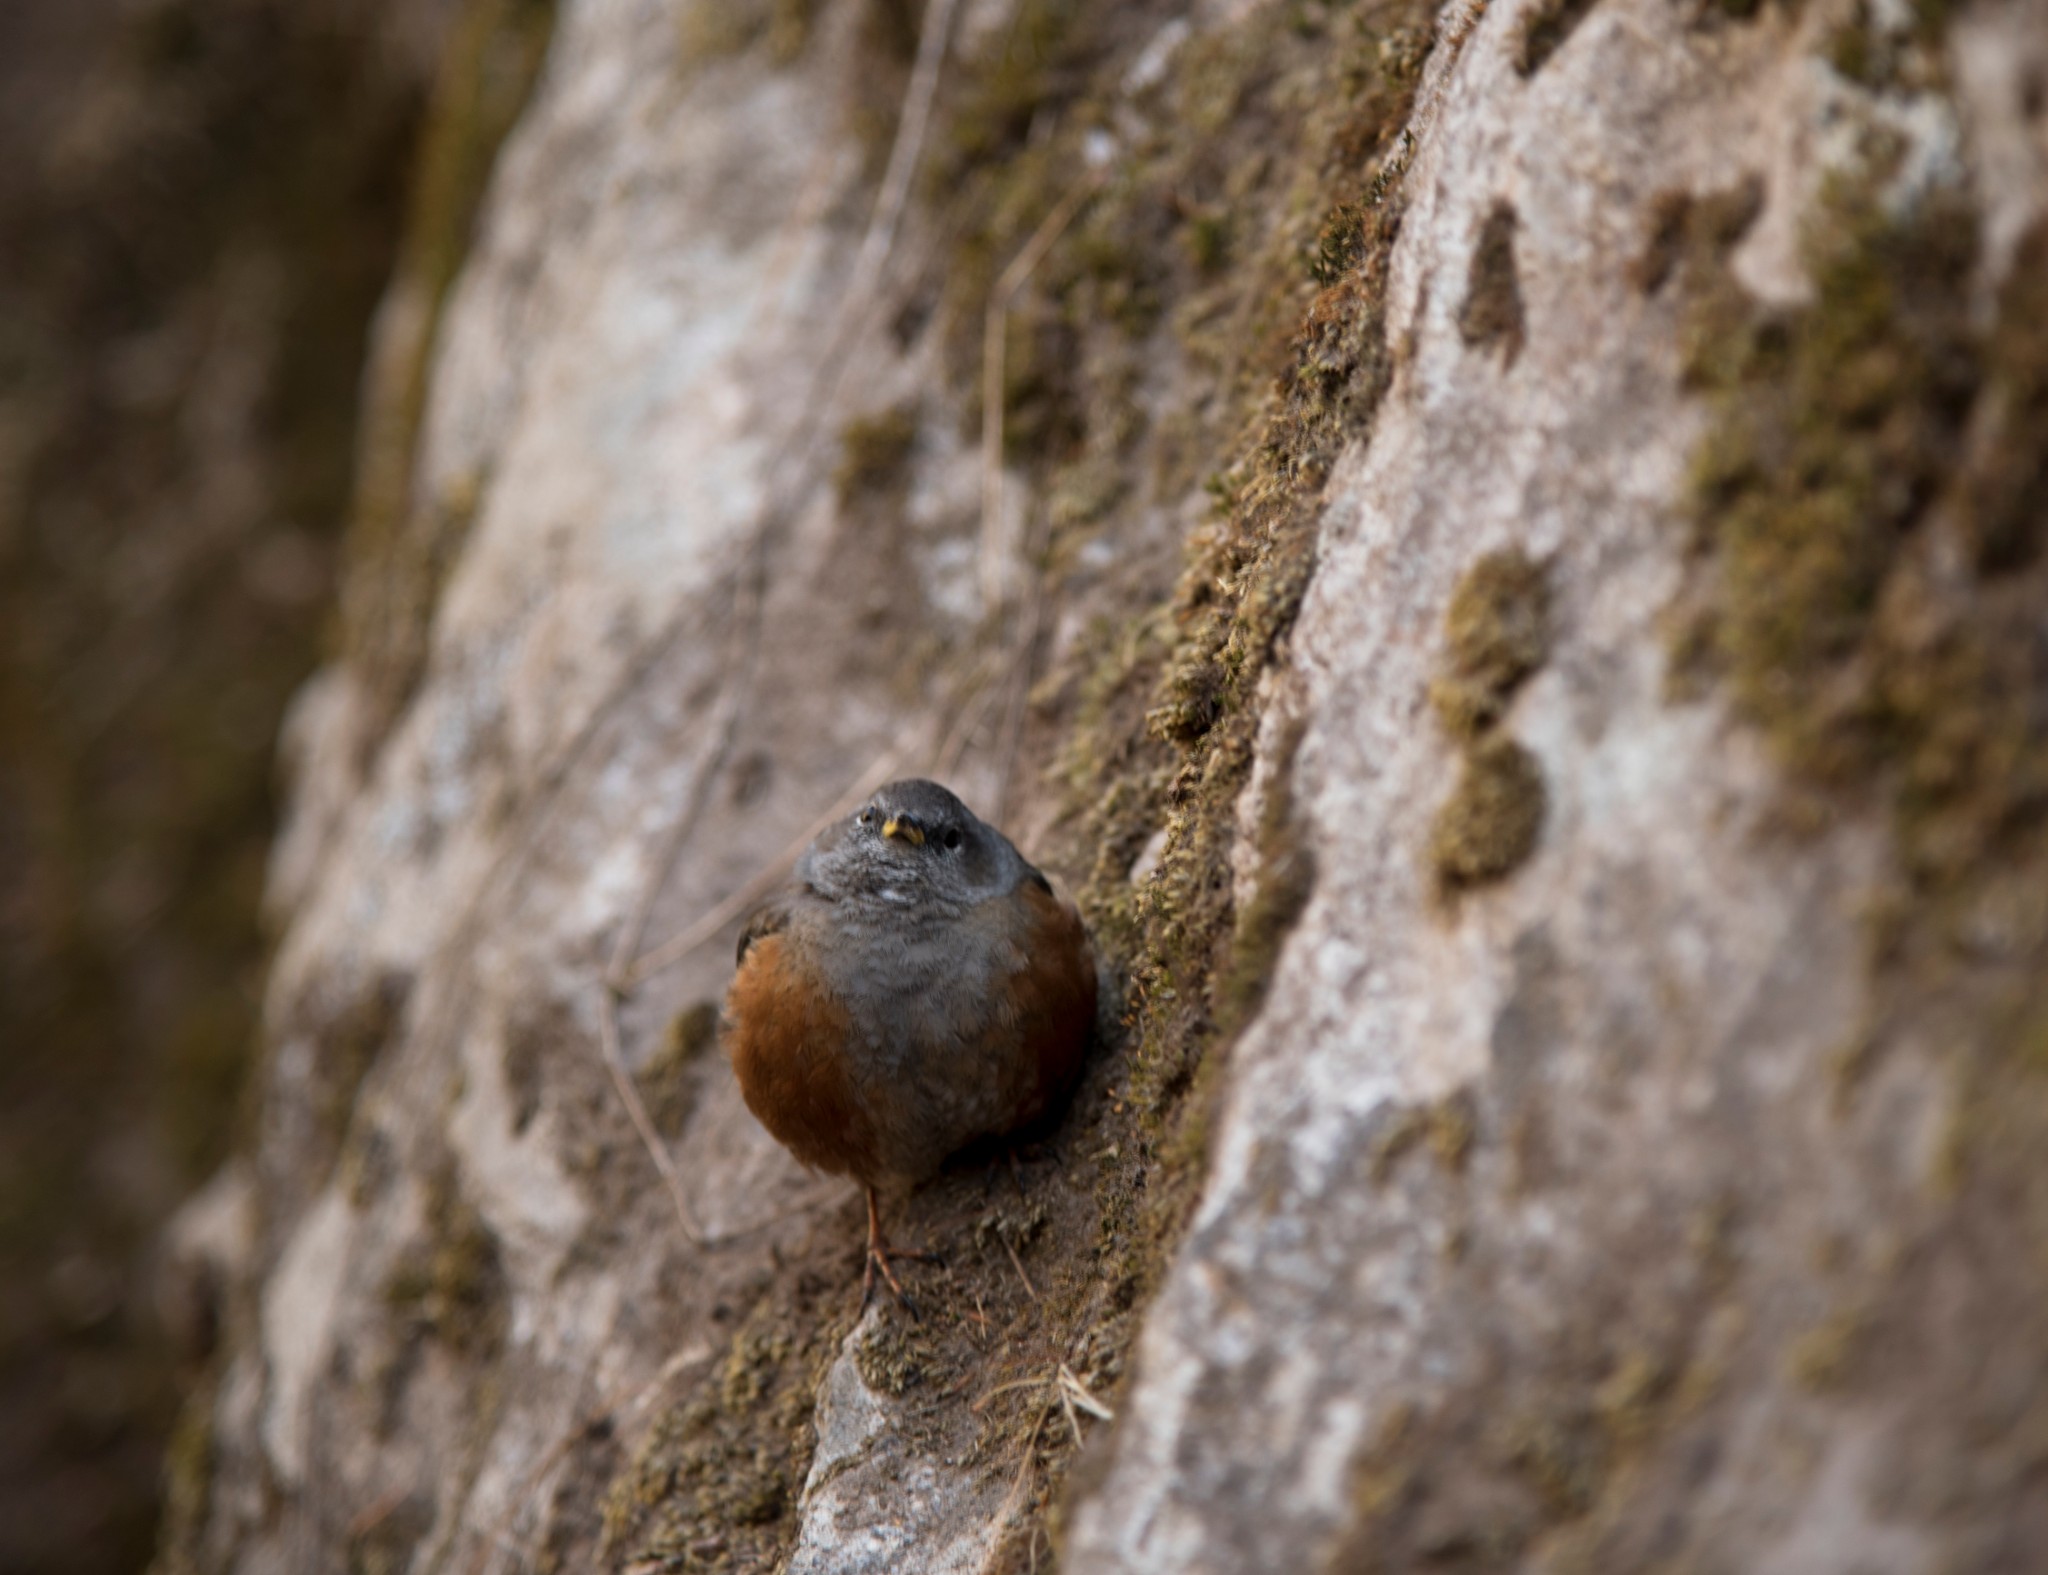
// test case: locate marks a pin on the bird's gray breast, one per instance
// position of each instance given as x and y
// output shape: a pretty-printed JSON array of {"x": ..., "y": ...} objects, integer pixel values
[
  {"x": 924, "y": 998},
  {"x": 918, "y": 978}
]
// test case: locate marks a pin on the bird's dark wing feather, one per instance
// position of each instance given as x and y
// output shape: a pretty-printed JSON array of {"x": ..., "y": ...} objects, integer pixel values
[{"x": 771, "y": 918}]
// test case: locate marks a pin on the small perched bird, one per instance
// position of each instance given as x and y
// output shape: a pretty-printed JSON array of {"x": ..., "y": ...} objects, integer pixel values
[{"x": 914, "y": 987}]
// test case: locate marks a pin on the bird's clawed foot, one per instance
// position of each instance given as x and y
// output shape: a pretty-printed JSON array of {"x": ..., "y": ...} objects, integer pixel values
[{"x": 880, "y": 1254}]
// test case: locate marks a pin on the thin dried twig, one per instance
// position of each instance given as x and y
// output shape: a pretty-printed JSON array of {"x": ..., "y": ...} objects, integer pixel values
[
  {"x": 972, "y": 713},
  {"x": 1017, "y": 1263},
  {"x": 1079, "y": 1394},
  {"x": 1008, "y": 283},
  {"x": 612, "y": 988},
  {"x": 1029, "y": 620},
  {"x": 626, "y": 970},
  {"x": 1003, "y": 1389},
  {"x": 636, "y": 1112},
  {"x": 499, "y": 1534},
  {"x": 379, "y": 1510},
  {"x": 911, "y": 122},
  {"x": 695, "y": 934},
  {"x": 1024, "y": 1468},
  {"x": 1073, "y": 1421},
  {"x": 1063, "y": 1392}
]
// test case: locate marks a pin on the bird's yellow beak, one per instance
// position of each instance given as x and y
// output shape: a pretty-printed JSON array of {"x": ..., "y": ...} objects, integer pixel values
[{"x": 904, "y": 830}]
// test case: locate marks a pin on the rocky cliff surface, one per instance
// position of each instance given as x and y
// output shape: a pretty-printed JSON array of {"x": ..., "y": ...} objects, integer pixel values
[{"x": 1497, "y": 550}]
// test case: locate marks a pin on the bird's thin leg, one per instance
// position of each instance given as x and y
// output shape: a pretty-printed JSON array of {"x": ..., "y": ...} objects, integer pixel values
[{"x": 879, "y": 1254}]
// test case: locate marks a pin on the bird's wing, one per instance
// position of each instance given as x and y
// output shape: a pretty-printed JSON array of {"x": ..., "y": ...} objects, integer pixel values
[{"x": 771, "y": 918}]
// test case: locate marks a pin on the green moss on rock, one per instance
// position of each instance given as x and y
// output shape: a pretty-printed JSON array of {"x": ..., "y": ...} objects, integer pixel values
[
  {"x": 714, "y": 1484},
  {"x": 1549, "y": 24},
  {"x": 1493, "y": 819},
  {"x": 451, "y": 1284},
  {"x": 1861, "y": 612},
  {"x": 1491, "y": 317},
  {"x": 874, "y": 455},
  {"x": 1447, "y": 1128},
  {"x": 1284, "y": 856},
  {"x": 668, "y": 1082},
  {"x": 708, "y": 31},
  {"x": 1823, "y": 1357},
  {"x": 1695, "y": 231},
  {"x": 1496, "y": 633},
  {"x": 1837, "y": 427},
  {"x": 189, "y": 1461}
]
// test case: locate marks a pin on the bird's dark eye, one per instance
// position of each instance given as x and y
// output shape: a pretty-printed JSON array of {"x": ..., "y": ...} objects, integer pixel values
[
  {"x": 867, "y": 817},
  {"x": 952, "y": 839}
]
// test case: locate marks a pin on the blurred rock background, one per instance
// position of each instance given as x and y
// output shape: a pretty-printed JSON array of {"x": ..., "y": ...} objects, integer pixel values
[{"x": 200, "y": 204}]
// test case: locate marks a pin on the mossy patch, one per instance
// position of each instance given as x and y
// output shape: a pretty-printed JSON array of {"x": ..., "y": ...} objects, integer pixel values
[
  {"x": 708, "y": 31},
  {"x": 1848, "y": 598},
  {"x": 1040, "y": 62},
  {"x": 874, "y": 455},
  {"x": 714, "y": 1484},
  {"x": 1341, "y": 243},
  {"x": 1822, "y": 1358},
  {"x": 1284, "y": 855},
  {"x": 1496, "y": 633},
  {"x": 668, "y": 1082},
  {"x": 348, "y": 1023},
  {"x": 897, "y": 1356},
  {"x": 384, "y": 1543},
  {"x": 1447, "y": 1128},
  {"x": 1493, "y": 819},
  {"x": 188, "y": 1486},
  {"x": 1209, "y": 237},
  {"x": 1890, "y": 48},
  {"x": 1549, "y": 23},
  {"x": 1838, "y": 424},
  {"x": 450, "y": 1285},
  {"x": 1491, "y": 316},
  {"x": 1704, "y": 227}
]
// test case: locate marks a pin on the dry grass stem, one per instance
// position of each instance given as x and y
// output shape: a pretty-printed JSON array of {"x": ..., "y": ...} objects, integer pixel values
[
  {"x": 764, "y": 880},
  {"x": 1078, "y": 1393},
  {"x": 912, "y": 120},
  {"x": 994, "y": 566},
  {"x": 636, "y": 1111},
  {"x": 499, "y": 1534},
  {"x": 1017, "y": 1263},
  {"x": 973, "y": 712},
  {"x": 1018, "y": 678}
]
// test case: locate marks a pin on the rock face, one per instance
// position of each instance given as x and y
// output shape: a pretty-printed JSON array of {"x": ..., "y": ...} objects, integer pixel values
[{"x": 1512, "y": 594}]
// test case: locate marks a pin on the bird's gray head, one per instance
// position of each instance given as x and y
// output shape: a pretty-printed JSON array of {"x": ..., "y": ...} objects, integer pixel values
[{"x": 912, "y": 842}]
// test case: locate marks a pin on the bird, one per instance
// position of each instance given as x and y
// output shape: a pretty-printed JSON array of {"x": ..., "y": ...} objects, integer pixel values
[{"x": 916, "y": 986}]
